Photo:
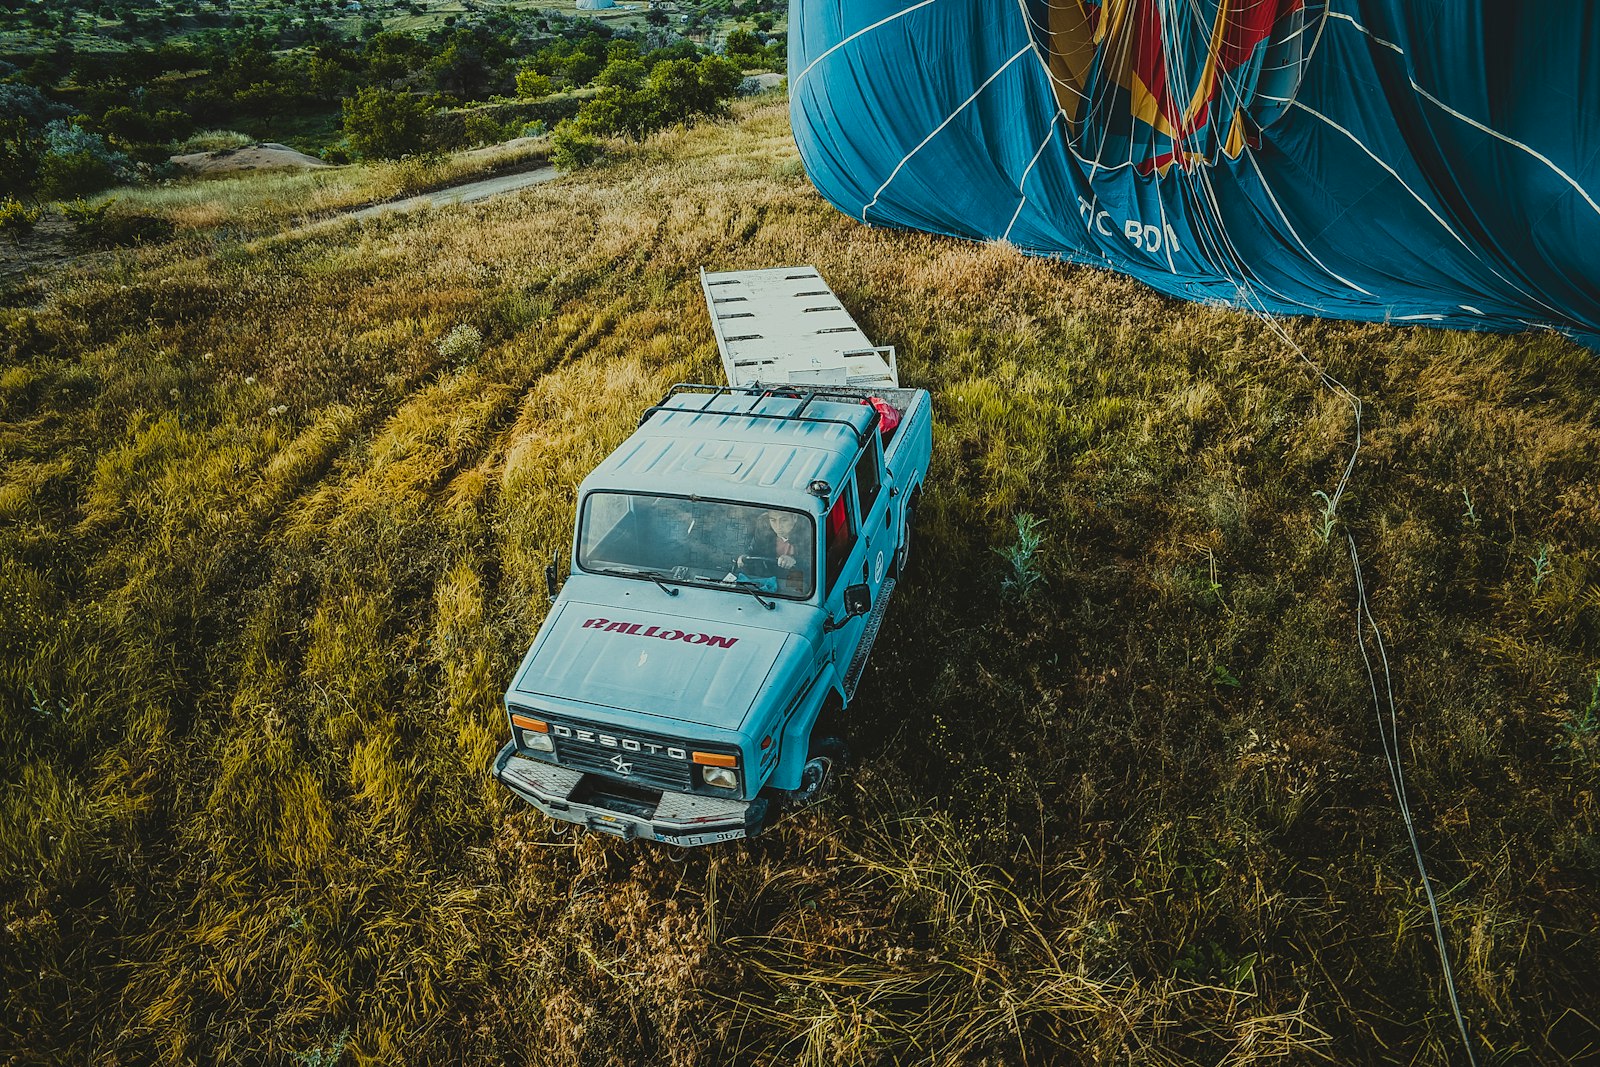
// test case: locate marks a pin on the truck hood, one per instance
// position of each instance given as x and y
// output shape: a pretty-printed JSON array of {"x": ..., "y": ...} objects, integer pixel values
[{"x": 696, "y": 671}]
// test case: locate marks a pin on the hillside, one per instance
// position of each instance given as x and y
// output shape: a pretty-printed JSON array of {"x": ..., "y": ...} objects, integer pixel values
[{"x": 269, "y": 552}]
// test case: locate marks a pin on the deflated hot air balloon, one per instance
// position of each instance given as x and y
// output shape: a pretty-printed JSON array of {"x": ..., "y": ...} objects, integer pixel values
[{"x": 1428, "y": 161}]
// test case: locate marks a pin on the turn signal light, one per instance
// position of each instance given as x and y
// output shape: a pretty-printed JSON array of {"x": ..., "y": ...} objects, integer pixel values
[
  {"x": 715, "y": 759},
  {"x": 525, "y": 723}
]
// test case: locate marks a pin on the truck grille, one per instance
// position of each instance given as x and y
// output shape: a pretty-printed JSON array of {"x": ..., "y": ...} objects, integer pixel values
[{"x": 649, "y": 766}]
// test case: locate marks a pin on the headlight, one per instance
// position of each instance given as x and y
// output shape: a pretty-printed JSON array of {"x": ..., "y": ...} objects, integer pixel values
[
  {"x": 534, "y": 733},
  {"x": 721, "y": 777}
]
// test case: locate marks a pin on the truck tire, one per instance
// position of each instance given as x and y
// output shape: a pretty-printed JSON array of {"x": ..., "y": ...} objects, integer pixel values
[{"x": 820, "y": 776}]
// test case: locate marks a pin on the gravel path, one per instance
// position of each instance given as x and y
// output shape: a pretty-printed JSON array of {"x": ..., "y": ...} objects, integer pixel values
[{"x": 466, "y": 193}]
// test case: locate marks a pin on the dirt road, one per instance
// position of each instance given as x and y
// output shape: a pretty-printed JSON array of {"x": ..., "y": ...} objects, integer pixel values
[{"x": 456, "y": 194}]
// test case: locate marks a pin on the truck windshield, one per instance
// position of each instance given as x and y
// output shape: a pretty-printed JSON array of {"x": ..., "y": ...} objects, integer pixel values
[{"x": 699, "y": 542}]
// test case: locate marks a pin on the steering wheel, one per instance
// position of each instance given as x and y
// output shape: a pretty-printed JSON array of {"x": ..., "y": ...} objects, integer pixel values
[{"x": 757, "y": 566}]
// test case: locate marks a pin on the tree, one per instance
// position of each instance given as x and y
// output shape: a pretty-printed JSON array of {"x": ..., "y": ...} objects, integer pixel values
[
  {"x": 742, "y": 42},
  {"x": 623, "y": 73},
  {"x": 683, "y": 88},
  {"x": 384, "y": 124},
  {"x": 676, "y": 91},
  {"x": 531, "y": 85},
  {"x": 20, "y": 152},
  {"x": 460, "y": 70}
]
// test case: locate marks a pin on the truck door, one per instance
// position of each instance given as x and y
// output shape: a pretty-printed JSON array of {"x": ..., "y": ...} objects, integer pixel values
[
  {"x": 843, "y": 562},
  {"x": 859, "y": 545},
  {"x": 873, "y": 502}
]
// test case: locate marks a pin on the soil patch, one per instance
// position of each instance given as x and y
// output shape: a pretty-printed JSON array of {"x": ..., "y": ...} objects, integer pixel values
[{"x": 268, "y": 155}]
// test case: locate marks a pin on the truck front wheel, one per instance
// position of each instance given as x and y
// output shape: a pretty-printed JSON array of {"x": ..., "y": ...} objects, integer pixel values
[{"x": 820, "y": 776}]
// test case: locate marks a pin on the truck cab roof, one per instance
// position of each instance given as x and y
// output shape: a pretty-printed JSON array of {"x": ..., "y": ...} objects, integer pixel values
[{"x": 748, "y": 445}]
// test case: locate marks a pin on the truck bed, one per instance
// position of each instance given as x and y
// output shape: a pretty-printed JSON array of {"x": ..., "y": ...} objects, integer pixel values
[{"x": 785, "y": 326}]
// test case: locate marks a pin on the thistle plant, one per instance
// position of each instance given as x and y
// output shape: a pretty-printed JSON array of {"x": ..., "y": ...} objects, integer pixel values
[
  {"x": 1023, "y": 570},
  {"x": 1328, "y": 517},
  {"x": 1541, "y": 567},
  {"x": 1583, "y": 727},
  {"x": 462, "y": 345}
]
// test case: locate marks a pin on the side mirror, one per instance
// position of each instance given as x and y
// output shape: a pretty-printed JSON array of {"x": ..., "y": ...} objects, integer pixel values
[
  {"x": 550, "y": 582},
  {"x": 857, "y": 602}
]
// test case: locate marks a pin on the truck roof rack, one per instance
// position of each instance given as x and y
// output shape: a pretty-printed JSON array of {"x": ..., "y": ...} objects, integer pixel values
[{"x": 805, "y": 394}]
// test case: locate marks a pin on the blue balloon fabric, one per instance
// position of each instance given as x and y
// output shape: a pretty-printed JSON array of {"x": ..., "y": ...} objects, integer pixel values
[{"x": 1424, "y": 161}]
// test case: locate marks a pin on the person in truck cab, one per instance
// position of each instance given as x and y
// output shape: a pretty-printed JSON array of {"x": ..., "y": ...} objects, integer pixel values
[{"x": 778, "y": 543}]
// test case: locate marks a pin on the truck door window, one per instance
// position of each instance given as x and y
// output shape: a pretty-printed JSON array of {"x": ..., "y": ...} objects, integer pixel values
[
  {"x": 868, "y": 478},
  {"x": 842, "y": 533}
]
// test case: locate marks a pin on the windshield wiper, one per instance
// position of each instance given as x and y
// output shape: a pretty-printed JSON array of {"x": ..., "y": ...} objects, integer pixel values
[
  {"x": 748, "y": 585},
  {"x": 660, "y": 579},
  {"x": 654, "y": 576}
]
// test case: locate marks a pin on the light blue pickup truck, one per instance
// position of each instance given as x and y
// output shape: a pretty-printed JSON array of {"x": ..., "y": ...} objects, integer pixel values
[{"x": 732, "y": 562}]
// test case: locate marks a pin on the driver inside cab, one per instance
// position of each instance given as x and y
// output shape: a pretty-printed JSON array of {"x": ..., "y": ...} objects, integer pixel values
[{"x": 777, "y": 551}]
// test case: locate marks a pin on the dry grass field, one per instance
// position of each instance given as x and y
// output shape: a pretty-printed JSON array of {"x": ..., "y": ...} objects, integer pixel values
[{"x": 268, "y": 557}]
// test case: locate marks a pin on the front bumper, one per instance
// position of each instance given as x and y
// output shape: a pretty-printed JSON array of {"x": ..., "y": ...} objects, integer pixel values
[{"x": 676, "y": 818}]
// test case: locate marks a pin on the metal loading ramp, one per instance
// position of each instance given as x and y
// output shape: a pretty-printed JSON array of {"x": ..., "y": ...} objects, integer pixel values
[{"x": 785, "y": 326}]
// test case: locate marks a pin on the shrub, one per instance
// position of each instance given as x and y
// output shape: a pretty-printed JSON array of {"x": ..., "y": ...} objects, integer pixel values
[
  {"x": 78, "y": 162},
  {"x": 531, "y": 85},
  {"x": 480, "y": 128},
  {"x": 571, "y": 148},
  {"x": 214, "y": 141},
  {"x": 384, "y": 124},
  {"x": 26, "y": 102},
  {"x": 622, "y": 73},
  {"x": 16, "y": 218},
  {"x": 675, "y": 91},
  {"x": 84, "y": 215},
  {"x": 73, "y": 174},
  {"x": 99, "y": 226},
  {"x": 742, "y": 42},
  {"x": 21, "y": 149},
  {"x": 462, "y": 345}
]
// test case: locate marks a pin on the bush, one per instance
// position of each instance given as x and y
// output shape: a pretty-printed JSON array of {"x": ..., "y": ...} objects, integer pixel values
[
  {"x": 462, "y": 345},
  {"x": 384, "y": 124},
  {"x": 74, "y": 174},
  {"x": 21, "y": 149},
  {"x": 531, "y": 85},
  {"x": 16, "y": 218},
  {"x": 26, "y": 102},
  {"x": 626, "y": 74},
  {"x": 214, "y": 141},
  {"x": 77, "y": 162},
  {"x": 98, "y": 226},
  {"x": 742, "y": 42},
  {"x": 675, "y": 91},
  {"x": 571, "y": 149},
  {"x": 481, "y": 129},
  {"x": 84, "y": 215}
]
